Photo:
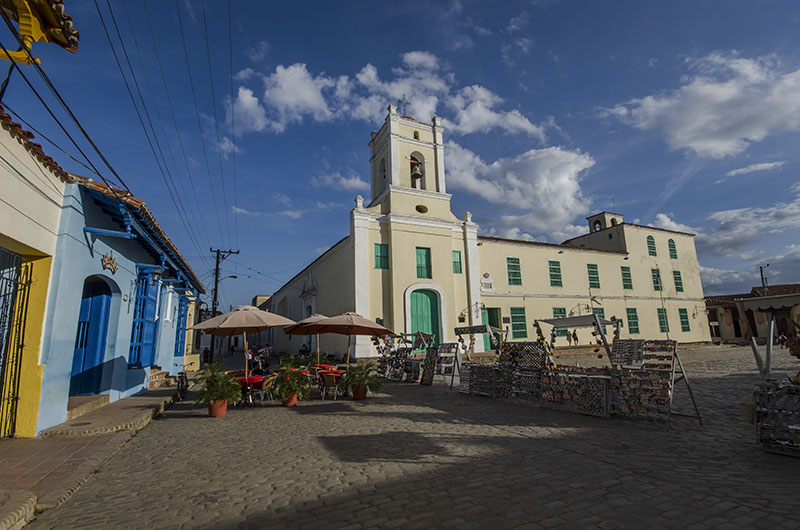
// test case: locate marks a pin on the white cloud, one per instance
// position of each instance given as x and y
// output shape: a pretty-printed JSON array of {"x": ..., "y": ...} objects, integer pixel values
[
  {"x": 283, "y": 199},
  {"x": 538, "y": 189},
  {"x": 259, "y": 52},
  {"x": 420, "y": 59},
  {"x": 337, "y": 180},
  {"x": 731, "y": 281},
  {"x": 518, "y": 22},
  {"x": 664, "y": 221},
  {"x": 292, "y": 93},
  {"x": 293, "y": 214},
  {"x": 764, "y": 166},
  {"x": 244, "y": 74},
  {"x": 243, "y": 211},
  {"x": 324, "y": 206},
  {"x": 725, "y": 104},
  {"x": 249, "y": 114},
  {"x": 472, "y": 108},
  {"x": 226, "y": 147}
]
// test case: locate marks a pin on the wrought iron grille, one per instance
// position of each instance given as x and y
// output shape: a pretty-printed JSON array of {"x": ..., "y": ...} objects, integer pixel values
[{"x": 15, "y": 281}]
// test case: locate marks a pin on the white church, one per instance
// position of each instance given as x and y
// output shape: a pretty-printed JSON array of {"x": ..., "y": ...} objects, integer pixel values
[{"x": 412, "y": 265}]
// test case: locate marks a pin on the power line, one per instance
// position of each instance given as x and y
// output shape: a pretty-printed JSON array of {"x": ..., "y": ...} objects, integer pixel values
[
  {"x": 233, "y": 124},
  {"x": 179, "y": 202},
  {"x": 216, "y": 121}
]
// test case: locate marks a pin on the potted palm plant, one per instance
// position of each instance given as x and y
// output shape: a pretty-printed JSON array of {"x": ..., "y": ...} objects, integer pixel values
[
  {"x": 360, "y": 378},
  {"x": 217, "y": 388},
  {"x": 291, "y": 385}
]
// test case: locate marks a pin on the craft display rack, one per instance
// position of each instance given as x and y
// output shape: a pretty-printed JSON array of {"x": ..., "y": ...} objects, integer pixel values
[
  {"x": 584, "y": 392},
  {"x": 482, "y": 379},
  {"x": 777, "y": 420}
]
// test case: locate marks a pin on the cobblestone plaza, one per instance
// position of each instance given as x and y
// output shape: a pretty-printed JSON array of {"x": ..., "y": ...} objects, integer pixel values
[{"x": 424, "y": 457}]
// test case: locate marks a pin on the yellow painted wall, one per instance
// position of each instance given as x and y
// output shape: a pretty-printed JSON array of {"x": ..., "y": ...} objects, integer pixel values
[{"x": 30, "y": 384}]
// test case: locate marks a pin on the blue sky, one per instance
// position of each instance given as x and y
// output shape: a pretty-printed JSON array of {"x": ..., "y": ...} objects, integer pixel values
[{"x": 683, "y": 115}]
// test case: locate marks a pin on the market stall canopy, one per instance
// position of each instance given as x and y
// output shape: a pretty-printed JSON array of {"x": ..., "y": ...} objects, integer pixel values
[
  {"x": 580, "y": 321},
  {"x": 243, "y": 319},
  {"x": 349, "y": 324},
  {"x": 301, "y": 328}
]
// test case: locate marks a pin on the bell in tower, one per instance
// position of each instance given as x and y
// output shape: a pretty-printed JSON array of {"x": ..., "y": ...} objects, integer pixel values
[{"x": 416, "y": 173}]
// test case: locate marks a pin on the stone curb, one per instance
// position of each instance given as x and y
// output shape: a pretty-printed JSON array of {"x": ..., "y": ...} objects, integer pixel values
[{"x": 16, "y": 508}]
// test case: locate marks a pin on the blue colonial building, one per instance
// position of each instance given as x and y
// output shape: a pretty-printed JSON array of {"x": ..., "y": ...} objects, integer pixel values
[{"x": 117, "y": 304}]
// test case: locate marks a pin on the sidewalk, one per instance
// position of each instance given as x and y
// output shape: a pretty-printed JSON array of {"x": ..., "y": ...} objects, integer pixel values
[{"x": 44, "y": 472}]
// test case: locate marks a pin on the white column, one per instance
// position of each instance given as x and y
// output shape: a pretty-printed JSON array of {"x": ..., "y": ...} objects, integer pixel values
[
  {"x": 473, "y": 275},
  {"x": 359, "y": 222},
  {"x": 439, "y": 154},
  {"x": 394, "y": 158}
]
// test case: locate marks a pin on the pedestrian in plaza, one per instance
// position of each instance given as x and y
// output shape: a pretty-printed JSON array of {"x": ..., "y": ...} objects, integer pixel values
[
  {"x": 782, "y": 340},
  {"x": 575, "y": 336},
  {"x": 206, "y": 355},
  {"x": 569, "y": 338}
]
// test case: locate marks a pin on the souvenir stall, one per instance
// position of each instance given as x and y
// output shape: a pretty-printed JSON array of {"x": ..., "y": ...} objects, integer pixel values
[
  {"x": 475, "y": 377},
  {"x": 776, "y": 401},
  {"x": 583, "y": 321}
]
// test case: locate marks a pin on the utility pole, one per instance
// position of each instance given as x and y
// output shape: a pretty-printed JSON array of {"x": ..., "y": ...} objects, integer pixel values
[
  {"x": 221, "y": 255},
  {"x": 763, "y": 279}
]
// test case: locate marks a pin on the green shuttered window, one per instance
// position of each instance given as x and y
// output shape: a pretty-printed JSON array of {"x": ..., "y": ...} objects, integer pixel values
[
  {"x": 627, "y": 281},
  {"x": 560, "y": 312},
  {"x": 656, "y": 280},
  {"x": 663, "y": 323},
  {"x": 684, "y": 316},
  {"x": 457, "y": 269},
  {"x": 594, "y": 276},
  {"x": 519, "y": 326},
  {"x": 423, "y": 262},
  {"x": 651, "y": 246},
  {"x": 678, "y": 281},
  {"x": 633, "y": 321},
  {"x": 514, "y": 271},
  {"x": 381, "y": 256},
  {"x": 601, "y": 314},
  {"x": 555, "y": 273},
  {"x": 673, "y": 251}
]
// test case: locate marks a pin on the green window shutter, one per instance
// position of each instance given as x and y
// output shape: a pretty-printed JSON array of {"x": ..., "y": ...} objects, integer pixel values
[
  {"x": 457, "y": 262},
  {"x": 678, "y": 281},
  {"x": 684, "y": 315},
  {"x": 519, "y": 325},
  {"x": 656, "y": 280},
  {"x": 560, "y": 312},
  {"x": 663, "y": 323},
  {"x": 633, "y": 321},
  {"x": 651, "y": 246},
  {"x": 555, "y": 273},
  {"x": 673, "y": 251},
  {"x": 594, "y": 276},
  {"x": 381, "y": 256},
  {"x": 627, "y": 280},
  {"x": 514, "y": 271},
  {"x": 601, "y": 313},
  {"x": 423, "y": 262}
]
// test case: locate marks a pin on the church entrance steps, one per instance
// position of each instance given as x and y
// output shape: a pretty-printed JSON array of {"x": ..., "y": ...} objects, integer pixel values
[
  {"x": 80, "y": 405},
  {"x": 160, "y": 379}
]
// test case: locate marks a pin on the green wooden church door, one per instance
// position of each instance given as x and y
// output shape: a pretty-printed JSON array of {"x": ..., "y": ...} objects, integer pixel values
[{"x": 425, "y": 313}]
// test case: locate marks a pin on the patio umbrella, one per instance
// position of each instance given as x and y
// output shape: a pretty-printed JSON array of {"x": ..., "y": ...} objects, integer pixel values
[
  {"x": 243, "y": 319},
  {"x": 301, "y": 328},
  {"x": 349, "y": 324}
]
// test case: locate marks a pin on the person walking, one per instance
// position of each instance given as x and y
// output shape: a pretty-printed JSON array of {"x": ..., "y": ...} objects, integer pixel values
[{"x": 575, "y": 336}]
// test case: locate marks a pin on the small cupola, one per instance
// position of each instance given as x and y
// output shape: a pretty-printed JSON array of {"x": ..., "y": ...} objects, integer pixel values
[{"x": 603, "y": 220}]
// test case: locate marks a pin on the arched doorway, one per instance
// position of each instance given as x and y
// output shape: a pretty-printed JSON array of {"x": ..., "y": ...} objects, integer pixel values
[
  {"x": 90, "y": 338},
  {"x": 424, "y": 305}
]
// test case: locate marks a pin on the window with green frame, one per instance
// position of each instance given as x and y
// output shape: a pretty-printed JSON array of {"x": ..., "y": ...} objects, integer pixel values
[
  {"x": 651, "y": 246},
  {"x": 678, "y": 281},
  {"x": 656, "y": 280},
  {"x": 519, "y": 325},
  {"x": 381, "y": 256},
  {"x": 457, "y": 269},
  {"x": 560, "y": 312},
  {"x": 673, "y": 250},
  {"x": 594, "y": 276},
  {"x": 627, "y": 280},
  {"x": 601, "y": 314},
  {"x": 633, "y": 321},
  {"x": 555, "y": 273},
  {"x": 423, "y": 262},
  {"x": 514, "y": 271},
  {"x": 663, "y": 323},
  {"x": 684, "y": 316}
]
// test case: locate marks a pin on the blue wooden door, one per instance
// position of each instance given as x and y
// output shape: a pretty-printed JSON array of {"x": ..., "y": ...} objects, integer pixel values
[
  {"x": 425, "y": 313},
  {"x": 90, "y": 339}
]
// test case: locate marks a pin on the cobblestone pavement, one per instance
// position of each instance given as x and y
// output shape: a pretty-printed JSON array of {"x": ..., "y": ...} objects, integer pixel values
[{"x": 422, "y": 457}]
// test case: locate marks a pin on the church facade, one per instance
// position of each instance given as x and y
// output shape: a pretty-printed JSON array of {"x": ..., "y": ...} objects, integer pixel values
[{"x": 412, "y": 265}]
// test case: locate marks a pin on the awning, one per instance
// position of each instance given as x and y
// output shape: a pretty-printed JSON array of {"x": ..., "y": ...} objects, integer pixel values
[
  {"x": 765, "y": 304},
  {"x": 581, "y": 321}
]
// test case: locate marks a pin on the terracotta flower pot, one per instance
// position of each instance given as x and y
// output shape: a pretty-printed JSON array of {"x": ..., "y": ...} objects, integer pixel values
[
  {"x": 360, "y": 392},
  {"x": 218, "y": 408},
  {"x": 290, "y": 401}
]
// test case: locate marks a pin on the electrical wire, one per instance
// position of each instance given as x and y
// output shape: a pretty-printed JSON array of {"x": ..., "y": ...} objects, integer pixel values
[
  {"x": 216, "y": 121},
  {"x": 233, "y": 125}
]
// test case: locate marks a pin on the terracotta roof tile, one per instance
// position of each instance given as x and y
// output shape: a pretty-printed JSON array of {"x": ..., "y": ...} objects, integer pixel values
[{"x": 24, "y": 137}]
